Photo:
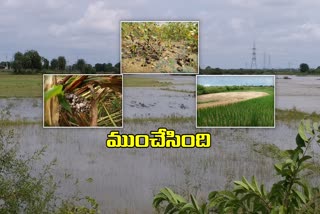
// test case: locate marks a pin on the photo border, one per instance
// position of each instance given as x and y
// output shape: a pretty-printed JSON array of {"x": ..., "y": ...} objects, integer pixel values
[
  {"x": 239, "y": 127},
  {"x": 120, "y": 47},
  {"x": 82, "y": 127}
]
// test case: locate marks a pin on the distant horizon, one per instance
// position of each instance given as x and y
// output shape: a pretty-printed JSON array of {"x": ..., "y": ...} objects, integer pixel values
[
  {"x": 113, "y": 63},
  {"x": 91, "y": 29},
  {"x": 235, "y": 80}
]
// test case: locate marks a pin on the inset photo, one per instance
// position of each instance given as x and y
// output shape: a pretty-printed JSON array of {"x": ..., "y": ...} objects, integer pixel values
[
  {"x": 160, "y": 47},
  {"x": 236, "y": 101},
  {"x": 82, "y": 100}
]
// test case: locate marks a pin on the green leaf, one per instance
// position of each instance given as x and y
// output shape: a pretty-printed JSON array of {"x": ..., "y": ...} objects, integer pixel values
[
  {"x": 242, "y": 184},
  {"x": 281, "y": 210},
  {"x": 64, "y": 103},
  {"x": 299, "y": 141},
  {"x": 300, "y": 195},
  {"x": 302, "y": 133},
  {"x": 278, "y": 167},
  {"x": 89, "y": 180},
  {"x": 169, "y": 209},
  {"x": 54, "y": 91},
  {"x": 308, "y": 127},
  {"x": 316, "y": 126},
  {"x": 195, "y": 203},
  {"x": 254, "y": 182},
  {"x": 307, "y": 157},
  {"x": 185, "y": 208},
  {"x": 248, "y": 183},
  {"x": 169, "y": 194}
]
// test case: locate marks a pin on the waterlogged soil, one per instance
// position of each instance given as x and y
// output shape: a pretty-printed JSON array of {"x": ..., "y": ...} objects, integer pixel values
[
  {"x": 178, "y": 99},
  {"x": 21, "y": 109},
  {"x": 125, "y": 180},
  {"x": 226, "y": 98},
  {"x": 300, "y": 92}
]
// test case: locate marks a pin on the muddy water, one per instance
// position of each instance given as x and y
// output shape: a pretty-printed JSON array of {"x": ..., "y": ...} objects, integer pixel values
[
  {"x": 300, "y": 92},
  {"x": 140, "y": 102},
  {"x": 126, "y": 179},
  {"x": 29, "y": 109}
]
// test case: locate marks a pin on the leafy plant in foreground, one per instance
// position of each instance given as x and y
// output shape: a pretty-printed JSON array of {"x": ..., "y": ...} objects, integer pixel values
[
  {"x": 292, "y": 194},
  {"x": 27, "y": 187}
]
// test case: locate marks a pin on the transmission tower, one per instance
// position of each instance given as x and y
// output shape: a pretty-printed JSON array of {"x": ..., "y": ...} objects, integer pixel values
[
  {"x": 7, "y": 66},
  {"x": 264, "y": 60},
  {"x": 254, "y": 57},
  {"x": 269, "y": 61}
]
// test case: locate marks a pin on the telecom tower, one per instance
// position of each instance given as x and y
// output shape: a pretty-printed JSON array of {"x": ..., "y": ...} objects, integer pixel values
[{"x": 254, "y": 57}]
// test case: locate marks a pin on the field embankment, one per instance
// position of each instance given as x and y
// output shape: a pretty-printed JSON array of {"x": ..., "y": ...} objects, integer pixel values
[
  {"x": 225, "y": 98},
  {"x": 237, "y": 109}
]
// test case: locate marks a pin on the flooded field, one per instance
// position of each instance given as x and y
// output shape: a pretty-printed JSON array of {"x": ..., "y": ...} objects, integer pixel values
[
  {"x": 128, "y": 178},
  {"x": 125, "y": 180},
  {"x": 299, "y": 92}
]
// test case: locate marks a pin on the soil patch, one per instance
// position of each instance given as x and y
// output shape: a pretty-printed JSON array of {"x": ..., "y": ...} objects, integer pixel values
[{"x": 226, "y": 98}]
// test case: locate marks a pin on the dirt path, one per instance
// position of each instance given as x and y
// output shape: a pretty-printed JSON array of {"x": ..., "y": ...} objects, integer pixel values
[{"x": 226, "y": 98}]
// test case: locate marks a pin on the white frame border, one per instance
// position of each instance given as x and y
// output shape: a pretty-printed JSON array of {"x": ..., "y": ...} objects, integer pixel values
[
  {"x": 238, "y": 127},
  {"x": 81, "y": 127},
  {"x": 135, "y": 21}
]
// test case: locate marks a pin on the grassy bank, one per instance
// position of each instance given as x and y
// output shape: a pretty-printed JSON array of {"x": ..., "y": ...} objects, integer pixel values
[
  {"x": 4, "y": 123},
  {"x": 218, "y": 89},
  {"x": 129, "y": 81},
  {"x": 291, "y": 115},
  {"x": 20, "y": 85},
  {"x": 254, "y": 112},
  {"x": 168, "y": 119}
]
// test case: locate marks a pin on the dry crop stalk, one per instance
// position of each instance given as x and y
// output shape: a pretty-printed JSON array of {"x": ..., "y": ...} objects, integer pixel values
[{"x": 51, "y": 106}]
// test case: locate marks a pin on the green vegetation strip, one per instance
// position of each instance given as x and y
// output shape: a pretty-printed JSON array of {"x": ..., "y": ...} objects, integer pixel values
[
  {"x": 177, "y": 90},
  {"x": 20, "y": 85},
  {"x": 218, "y": 89},
  {"x": 255, "y": 112},
  {"x": 295, "y": 115},
  {"x": 4, "y": 123},
  {"x": 143, "y": 82},
  {"x": 169, "y": 119}
]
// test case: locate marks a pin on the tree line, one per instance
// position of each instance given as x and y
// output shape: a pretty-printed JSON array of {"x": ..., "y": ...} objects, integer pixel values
[
  {"x": 31, "y": 62},
  {"x": 303, "y": 68}
]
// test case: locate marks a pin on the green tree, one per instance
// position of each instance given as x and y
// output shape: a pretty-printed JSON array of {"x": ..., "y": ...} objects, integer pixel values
[
  {"x": 290, "y": 195},
  {"x": 32, "y": 60},
  {"x": 17, "y": 63},
  {"x": 81, "y": 65},
  {"x": 45, "y": 63},
  {"x": 200, "y": 89},
  {"x": 98, "y": 67},
  {"x": 304, "y": 67},
  {"x": 117, "y": 65},
  {"x": 62, "y": 63},
  {"x": 89, "y": 69},
  {"x": 54, "y": 64}
]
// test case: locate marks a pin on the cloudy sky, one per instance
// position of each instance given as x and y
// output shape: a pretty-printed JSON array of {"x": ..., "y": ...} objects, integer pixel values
[{"x": 287, "y": 30}]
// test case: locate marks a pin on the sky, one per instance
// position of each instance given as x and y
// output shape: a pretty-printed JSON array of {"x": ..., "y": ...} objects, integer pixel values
[
  {"x": 235, "y": 80},
  {"x": 286, "y": 30}
]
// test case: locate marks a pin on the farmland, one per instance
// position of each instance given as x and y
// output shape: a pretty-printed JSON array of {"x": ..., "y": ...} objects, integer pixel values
[
  {"x": 166, "y": 47},
  {"x": 251, "y": 112},
  {"x": 20, "y": 85}
]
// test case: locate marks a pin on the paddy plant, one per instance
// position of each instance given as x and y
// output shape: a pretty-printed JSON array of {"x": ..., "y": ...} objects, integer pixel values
[{"x": 254, "y": 112}]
